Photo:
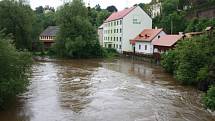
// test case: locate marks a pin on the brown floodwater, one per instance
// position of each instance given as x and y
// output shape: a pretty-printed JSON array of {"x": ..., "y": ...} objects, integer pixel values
[{"x": 105, "y": 90}]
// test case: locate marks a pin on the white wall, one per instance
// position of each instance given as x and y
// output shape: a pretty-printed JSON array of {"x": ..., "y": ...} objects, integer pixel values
[
  {"x": 131, "y": 29},
  {"x": 117, "y": 35},
  {"x": 100, "y": 33},
  {"x": 142, "y": 47},
  {"x": 149, "y": 45}
]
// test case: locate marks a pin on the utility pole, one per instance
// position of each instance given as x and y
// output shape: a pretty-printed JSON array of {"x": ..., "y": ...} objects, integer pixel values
[{"x": 171, "y": 26}]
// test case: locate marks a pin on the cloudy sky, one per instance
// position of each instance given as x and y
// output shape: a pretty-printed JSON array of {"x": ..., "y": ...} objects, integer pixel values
[{"x": 120, "y": 4}]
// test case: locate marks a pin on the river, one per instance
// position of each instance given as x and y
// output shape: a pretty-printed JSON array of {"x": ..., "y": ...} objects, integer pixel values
[{"x": 105, "y": 90}]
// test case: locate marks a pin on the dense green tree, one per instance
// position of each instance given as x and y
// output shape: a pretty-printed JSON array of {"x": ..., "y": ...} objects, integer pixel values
[
  {"x": 17, "y": 19},
  {"x": 102, "y": 16},
  {"x": 192, "y": 61},
  {"x": 196, "y": 25},
  {"x": 77, "y": 37},
  {"x": 146, "y": 7},
  {"x": 209, "y": 98},
  {"x": 111, "y": 9},
  {"x": 13, "y": 73},
  {"x": 169, "y": 6},
  {"x": 39, "y": 10}
]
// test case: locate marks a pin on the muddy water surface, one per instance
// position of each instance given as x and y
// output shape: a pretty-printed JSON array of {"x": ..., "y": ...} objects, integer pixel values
[{"x": 102, "y": 90}]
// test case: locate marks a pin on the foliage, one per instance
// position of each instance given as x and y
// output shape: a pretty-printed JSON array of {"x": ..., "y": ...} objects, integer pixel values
[
  {"x": 111, "y": 9},
  {"x": 197, "y": 25},
  {"x": 172, "y": 19},
  {"x": 190, "y": 60},
  {"x": 77, "y": 37},
  {"x": 17, "y": 19},
  {"x": 168, "y": 61},
  {"x": 13, "y": 73},
  {"x": 110, "y": 52},
  {"x": 209, "y": 98}
]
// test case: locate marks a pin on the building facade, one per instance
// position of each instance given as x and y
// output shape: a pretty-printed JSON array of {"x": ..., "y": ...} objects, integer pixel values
[
  {"x": 142, "y": 43},
  {"x": 156, "y": 9},
  {"x": 48, "y": 36},
  {"x": 124, "y": 25},
  {"x": 100, "y": 33}
]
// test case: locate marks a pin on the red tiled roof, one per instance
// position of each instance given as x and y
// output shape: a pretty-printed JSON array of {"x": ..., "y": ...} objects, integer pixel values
[
  {"x": 147, "y": 35},
  {"x": 120, "y": 14},
  {"x": 167, "y": 40}
]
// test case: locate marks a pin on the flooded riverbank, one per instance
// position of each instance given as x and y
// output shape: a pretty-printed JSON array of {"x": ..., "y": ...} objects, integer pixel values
[{"x": 101, "y": 90}]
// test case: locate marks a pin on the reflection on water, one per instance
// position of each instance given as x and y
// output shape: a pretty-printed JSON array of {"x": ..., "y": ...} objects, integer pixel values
[{"x": 101, "y": 90}]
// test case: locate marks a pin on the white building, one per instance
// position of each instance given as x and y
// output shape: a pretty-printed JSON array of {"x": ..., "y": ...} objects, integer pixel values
[
  {"x": 156, "y": 9},
  {"x": 142, "y": 43},
  {"x": 100, "y": 33},
  {"x": 122, "y": 26}
]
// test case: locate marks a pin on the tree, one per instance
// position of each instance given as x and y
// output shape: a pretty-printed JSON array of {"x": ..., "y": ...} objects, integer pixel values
[
  {"x": 77, "y": 37},
  {"x": 15, "y": 66},
  {"x": 17, "y": 19},
  {"x": 111, "y": 9},
  {"x": 146, "y": 8},
  {"x": 39, "y": 10},
  {"x": 98, "y": 7}
]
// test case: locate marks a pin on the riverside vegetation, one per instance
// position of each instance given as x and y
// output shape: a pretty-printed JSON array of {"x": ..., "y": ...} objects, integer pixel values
[
  {"x": 20, "y": 27},
  {"x": 14, "y": 66},
  {"x": 192, "y": 62}
]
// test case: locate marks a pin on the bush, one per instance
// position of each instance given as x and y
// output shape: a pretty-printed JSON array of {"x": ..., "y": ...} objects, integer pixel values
[
  {"x": 14, "y": 66},
  {"x": 209, "y": 98},
  {"x": 168, "y": 61},
  {"x": 109, "y": 52},
  {"x": 188, "y": 61}
]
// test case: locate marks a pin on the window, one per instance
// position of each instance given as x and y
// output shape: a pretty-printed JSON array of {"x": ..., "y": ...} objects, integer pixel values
[
  {"x": 120, "y": 39},
  {"x": 145, "y": 47},
  {"x": 111, "y": 38},
  {"x": 120, "y": 46},
  {"x": 116, "y": 45},
  {"x": 117, "y": 22},
  {"x": 139, "y": 47},
  {"x": 159, "y": 36},
  {"x": 121, "y": 30},
  {"x": 113, "y": 45},
  {"x": 117, "y": 39},
  {"x": 120, "y": 22},
  {"x": 114, "y": 39},
  {"x": 116, "y": 30}
]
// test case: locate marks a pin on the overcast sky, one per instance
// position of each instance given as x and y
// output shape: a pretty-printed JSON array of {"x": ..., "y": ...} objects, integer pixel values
[{"x": 120, "y": 4}]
